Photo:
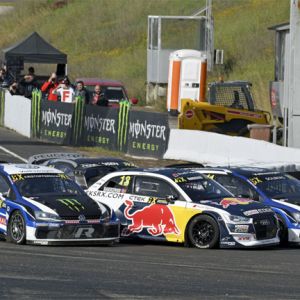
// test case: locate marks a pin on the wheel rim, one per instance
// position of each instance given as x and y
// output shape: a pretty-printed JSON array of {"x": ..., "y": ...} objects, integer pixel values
[
  {"x": 17, "y": 227},
  {"x": 203, "y": 233}
]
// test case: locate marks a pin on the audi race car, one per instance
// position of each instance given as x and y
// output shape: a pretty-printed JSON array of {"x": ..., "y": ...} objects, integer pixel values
[
  {"x": 277, "y": 190},
  {"x": 84, "y": 170},
  {"x": 184, "y": 206},
  {"x": 41, "y": 205}
]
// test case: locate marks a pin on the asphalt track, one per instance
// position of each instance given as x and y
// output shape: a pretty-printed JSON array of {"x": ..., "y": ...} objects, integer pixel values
[{"x": 139, "y": 270}]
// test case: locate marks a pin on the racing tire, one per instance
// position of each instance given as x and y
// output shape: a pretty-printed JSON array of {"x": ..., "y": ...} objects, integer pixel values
[
  {"x": 283, "y": 232},
  {"x": 16, "y": 231},
  {"x": 203, "y": 232}
]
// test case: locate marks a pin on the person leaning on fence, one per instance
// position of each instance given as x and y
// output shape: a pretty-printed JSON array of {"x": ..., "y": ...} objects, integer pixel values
[
  {"x": 27, "y": 84},
  {"x": 81, "y": 92},
  {"x": 65, "y": 91},
  {"x": 6, "y": 79},
  {"x": 14, "y": 89},
  {"x": 98, "y": 97},
  {"x": 49, "y": 86}
]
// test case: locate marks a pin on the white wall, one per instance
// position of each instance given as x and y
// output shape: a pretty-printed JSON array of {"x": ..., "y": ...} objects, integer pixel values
[
  {"x": 221, "y": 150},
  {"x": 17, "y": 114}
]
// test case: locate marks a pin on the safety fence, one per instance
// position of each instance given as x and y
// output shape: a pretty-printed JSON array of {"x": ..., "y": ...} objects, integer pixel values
[{"x": 118, "y": 129}]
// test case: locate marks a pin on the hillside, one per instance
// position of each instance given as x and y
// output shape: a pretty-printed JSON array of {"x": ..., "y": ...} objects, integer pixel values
[{"x": 107, "y": 38}]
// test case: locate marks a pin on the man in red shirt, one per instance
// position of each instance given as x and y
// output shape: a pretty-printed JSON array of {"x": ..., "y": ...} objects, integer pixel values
[{"x": 49, "y": 86}]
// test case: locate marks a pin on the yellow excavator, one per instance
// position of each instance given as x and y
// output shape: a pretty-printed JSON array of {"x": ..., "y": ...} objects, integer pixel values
[{"x": 229, "y": 109}]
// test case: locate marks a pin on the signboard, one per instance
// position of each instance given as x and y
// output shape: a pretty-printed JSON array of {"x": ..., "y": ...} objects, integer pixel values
[
  {"x": 56, "y": 122},
  {"x": 100, "y": 127},
  {"x": 148, "y": 134}
]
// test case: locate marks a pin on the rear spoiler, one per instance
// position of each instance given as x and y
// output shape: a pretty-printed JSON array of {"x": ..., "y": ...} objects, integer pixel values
[{"x": 41, "y": 158}]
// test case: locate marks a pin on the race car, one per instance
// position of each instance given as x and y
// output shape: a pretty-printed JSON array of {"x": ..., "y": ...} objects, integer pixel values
[
  {"x": 41, "y": 205},
  {"x": 84, "y": 170},
  {"x": 277, "y": 190},
  {"x": 169, "y": 204}
]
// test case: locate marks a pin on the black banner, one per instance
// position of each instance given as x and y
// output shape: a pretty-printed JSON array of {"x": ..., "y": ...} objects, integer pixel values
[
  {"x": 100, "y": 127},
  {"x": 56, "y": 122},
  {"x": 148, "y": 134},
  {"x": 117, "y": 129}
]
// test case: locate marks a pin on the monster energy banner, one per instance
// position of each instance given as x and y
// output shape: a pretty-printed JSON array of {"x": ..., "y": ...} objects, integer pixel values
[
  {"x": 148, "y": 134},
  {"x": 36, "y": 113},
  {"x": 135, "y": 132},
  {"x": 100, "y": 127},
  {"x": 56, "y": 122},
  {"x": 2, "y": 102}
]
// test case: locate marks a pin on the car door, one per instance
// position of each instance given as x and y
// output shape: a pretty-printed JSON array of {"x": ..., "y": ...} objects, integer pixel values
[{"x": 149, "y": 210}]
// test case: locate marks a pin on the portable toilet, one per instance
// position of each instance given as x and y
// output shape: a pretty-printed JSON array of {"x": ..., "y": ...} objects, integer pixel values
[{"x": 187, "y": 78}]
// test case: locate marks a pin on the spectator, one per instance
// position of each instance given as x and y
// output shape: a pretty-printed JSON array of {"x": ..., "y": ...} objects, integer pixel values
[
  {"x": 6, "y": 79},
  {"x": 99, "y": 97},
  {"x": 81, "y": 91},
  {"x": 27, "y": 85},
  {"x": 49, "y": 86},
  {"x": 14, "y": 89},
  {"x": 65, "y": 91}
]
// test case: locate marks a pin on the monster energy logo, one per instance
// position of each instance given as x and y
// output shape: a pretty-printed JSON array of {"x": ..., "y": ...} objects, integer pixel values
[
  {"x": 78, "y": 122},
  {"x": 2, "y": 101},
  {"x": 36, "y": 112},
  {"x": 72, "y": 204},
  {"x": 123, "y": 123}
]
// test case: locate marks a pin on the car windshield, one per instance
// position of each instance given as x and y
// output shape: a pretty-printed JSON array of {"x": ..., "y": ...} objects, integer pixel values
[
  {"x": 277, "y": 186},
  {"x": 31, "y": 185},
  {"x": 201, "y": 188}
]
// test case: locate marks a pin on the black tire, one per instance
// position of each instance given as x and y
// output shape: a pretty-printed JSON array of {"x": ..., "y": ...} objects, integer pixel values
[
  {"x": 283, "y": 232},
  {"x": 16, "y": 231},
  {"x": 203, "y": 232}
]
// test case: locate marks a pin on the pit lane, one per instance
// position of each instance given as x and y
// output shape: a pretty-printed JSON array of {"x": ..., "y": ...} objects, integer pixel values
[{"x": 139, "y": 270}]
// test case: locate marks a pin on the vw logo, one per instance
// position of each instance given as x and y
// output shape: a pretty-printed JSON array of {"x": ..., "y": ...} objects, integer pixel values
[{"x": 82, "y": 218}]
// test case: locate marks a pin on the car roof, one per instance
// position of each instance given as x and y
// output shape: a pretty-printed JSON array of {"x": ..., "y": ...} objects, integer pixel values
[
  {"x": 94, "y": 162},
  {"x": 42, "y": 157},
  {"x": 102, "y": 82},
  {"x": 244, "y": 171},
  {"x": 27, "y": 169},
  {"x": 168, "y": 172}
]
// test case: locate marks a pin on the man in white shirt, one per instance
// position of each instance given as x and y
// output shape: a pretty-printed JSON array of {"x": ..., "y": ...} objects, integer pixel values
[{"x": 65, "y": 91}]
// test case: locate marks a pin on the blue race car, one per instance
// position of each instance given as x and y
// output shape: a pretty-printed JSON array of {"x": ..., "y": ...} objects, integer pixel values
[
  {"x": 41, "y": 205},
  {"x": 278, "y": 190}
]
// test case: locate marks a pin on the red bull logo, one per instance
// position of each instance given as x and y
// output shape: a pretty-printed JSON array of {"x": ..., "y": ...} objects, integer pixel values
[
  {"x": 226, "y": 202},
  {"x": 157, "y": 218}
]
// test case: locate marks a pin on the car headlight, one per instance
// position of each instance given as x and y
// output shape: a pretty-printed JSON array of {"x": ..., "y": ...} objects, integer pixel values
[
  {"x": 45, "y": 216},
  {"x": 239, "y": 219},
  {"x": 296, "y": 216}
]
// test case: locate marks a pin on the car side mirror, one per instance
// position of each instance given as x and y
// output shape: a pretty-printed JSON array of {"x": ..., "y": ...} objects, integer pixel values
[{"x": 171, "y": 198}]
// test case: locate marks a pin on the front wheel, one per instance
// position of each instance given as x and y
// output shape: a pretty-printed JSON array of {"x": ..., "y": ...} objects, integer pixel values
[
  {"x": 203, "y": 232},
  {"x": 16, "y": 231}
]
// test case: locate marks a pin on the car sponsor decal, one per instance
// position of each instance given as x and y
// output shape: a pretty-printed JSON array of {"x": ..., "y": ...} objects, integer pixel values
[
  {"x": 156, "y": 218},
  {"x": 2, "y": 220},
  {"x": 226, "y": 202},
  {"x": 257, "y": 211},
  {"x": 104, "y": 194},
  {"x": 72, "y": 204}
]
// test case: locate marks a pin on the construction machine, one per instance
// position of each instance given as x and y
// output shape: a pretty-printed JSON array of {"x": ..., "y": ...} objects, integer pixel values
[{"x": 228, "y": 110}]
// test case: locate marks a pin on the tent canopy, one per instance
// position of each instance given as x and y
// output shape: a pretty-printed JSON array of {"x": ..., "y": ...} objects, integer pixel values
[{"x": 34, "y": 49}]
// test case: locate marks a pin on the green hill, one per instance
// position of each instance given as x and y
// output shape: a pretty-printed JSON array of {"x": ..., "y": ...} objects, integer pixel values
[{"x": 107, "y": 38}]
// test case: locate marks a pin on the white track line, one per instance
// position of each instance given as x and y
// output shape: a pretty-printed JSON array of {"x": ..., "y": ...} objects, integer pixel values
[{"x": 13, "y": 154}]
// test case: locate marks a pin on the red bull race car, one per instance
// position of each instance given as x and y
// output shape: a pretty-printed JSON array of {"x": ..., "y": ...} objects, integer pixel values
[{"x": 183, "y": 206}]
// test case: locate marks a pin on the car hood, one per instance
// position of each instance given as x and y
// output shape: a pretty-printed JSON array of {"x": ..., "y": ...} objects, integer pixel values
[
  {"x": 70, "y": 205},
  {"x": 238, "y": 206}
]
